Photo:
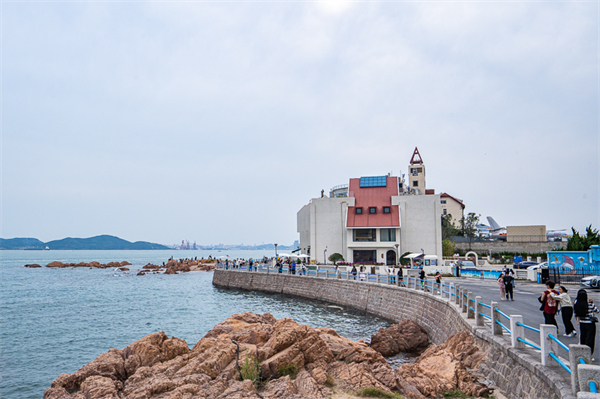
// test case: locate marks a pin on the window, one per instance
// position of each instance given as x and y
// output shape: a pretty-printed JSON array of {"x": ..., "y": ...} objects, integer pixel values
[
  {"x": 415, "y": 184},
  {"x": 363, "y": 235},
  {"x": 372, "y": 210},
  {"x": 364, "y": 256},
  {"x": 374, "y": 181},
  {"x": 386, "y": 209},
  {"x": 359, "y": 211},
  {"x": 445, "y": 211},
  {"x": 443, "y": 201},
  {"x": 387, "y": 235}
]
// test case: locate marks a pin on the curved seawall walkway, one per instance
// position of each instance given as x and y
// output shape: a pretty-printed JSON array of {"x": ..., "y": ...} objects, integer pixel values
[{"x": 516, "y": 372}]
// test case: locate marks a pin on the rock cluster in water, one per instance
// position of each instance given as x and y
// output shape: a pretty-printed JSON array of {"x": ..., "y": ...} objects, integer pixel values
[
  {"x": 290, "y": 361},
  {"x": 176, "y": 266},
  {"x": 88, "y": 264}
]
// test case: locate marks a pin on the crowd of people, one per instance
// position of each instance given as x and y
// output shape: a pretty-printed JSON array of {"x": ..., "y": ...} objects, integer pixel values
[{"x": 558, "y": 301}]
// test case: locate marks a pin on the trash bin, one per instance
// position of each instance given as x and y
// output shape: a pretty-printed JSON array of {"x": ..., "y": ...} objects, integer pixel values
[{"x": 545, "y": 275}]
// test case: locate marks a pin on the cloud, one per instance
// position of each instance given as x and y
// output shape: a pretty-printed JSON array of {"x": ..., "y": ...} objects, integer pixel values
[{"x": 210, "y": 114}]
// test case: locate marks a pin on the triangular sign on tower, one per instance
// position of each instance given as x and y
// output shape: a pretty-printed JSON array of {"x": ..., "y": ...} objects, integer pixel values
[{"x": 416, "y": 157}]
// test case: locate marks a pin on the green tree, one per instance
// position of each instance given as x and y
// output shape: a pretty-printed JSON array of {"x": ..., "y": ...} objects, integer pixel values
[
  {"x": 448, "y": 247},
  {"x": 578, "y": 242},
  {"x": 448, "y": 227},
  {"x": 404, "y": 260},
  {"x": 469, "y": 226},
  {"x": 335, "y": 258}
]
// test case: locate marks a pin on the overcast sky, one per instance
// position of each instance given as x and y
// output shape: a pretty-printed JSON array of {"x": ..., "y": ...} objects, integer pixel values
[{"x": 217, "y": 121}]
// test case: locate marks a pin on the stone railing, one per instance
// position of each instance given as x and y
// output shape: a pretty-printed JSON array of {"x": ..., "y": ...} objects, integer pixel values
[{"x": 523, "y": 361}]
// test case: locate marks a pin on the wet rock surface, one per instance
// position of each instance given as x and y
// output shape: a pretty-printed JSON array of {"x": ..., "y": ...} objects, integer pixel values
[{"x": 290, "y": 361}]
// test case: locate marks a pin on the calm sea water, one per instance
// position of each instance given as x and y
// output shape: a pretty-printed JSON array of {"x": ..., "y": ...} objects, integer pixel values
[{"x": 54, "y": 321}]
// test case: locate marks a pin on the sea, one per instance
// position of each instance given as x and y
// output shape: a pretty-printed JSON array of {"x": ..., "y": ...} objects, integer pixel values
[{"x": 55, "y": 320}]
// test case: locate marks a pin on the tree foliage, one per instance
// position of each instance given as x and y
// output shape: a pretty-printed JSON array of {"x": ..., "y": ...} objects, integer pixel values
[
  {"x": 335, "y": 257},
  {"x": 448, "y": 228},
  {"x": 448, "y": 247},
  {"x": 469, "y": 224},
  {"x": 583, "y": 242}
]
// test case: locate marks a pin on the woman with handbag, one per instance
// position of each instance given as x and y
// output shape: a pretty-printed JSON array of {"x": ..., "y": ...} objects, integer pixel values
[
  {"x": 566, "y": 309},
  {"x": 584, "y": 312}
]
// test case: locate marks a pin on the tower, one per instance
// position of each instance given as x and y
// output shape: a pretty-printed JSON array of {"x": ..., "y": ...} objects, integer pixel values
[{"x": 416, "y": 175}]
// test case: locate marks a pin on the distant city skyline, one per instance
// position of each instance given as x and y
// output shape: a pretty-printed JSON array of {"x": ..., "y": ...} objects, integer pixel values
[{"x": 218, "y": 121}]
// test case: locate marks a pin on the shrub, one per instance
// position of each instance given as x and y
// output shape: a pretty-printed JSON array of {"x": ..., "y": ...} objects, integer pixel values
[
  {"x": 377, "y": 393},
  {"x": 330, "y": 381},
  {"x": 291, "y": 370},
  {"x": 456, "y": 394},
  {"x": 250, "y": 370}
]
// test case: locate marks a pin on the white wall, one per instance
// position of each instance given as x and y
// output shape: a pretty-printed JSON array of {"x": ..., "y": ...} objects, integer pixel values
[
  {"x": 322, "y": 224},
  {"x": 420, "y": 217}
]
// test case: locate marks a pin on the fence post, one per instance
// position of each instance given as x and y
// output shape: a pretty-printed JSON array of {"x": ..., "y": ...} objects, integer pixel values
[
  {"x": 547, "y": 344},
  {"x": 450, "y": 289},
  {"x": 479, "y": 322},
  {"x": 516, "y": 331},
  {"x": 577, "y": 352},
  {"x": 456, "y": 294},
  {"x": 496, "y": 328},
  {"x": 588, "y": 373},
  {"x": 470, "y": 310},
  {"x": 465, "y": 300},
  {"x": 432, "y": 287}
]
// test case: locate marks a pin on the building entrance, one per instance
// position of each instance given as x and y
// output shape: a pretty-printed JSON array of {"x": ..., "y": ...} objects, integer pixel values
[{"x": 390, "y": 258}]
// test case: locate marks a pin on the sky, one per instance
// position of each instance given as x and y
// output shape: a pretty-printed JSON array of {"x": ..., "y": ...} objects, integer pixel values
[{"x": 216, "y": 122}]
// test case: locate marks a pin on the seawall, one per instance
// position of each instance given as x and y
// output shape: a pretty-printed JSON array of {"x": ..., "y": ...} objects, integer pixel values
[{"x": 516, "y": 372}]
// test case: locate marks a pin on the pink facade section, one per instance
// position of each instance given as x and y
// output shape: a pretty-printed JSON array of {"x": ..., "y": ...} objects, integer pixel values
[{"x": 378, "y": 197}]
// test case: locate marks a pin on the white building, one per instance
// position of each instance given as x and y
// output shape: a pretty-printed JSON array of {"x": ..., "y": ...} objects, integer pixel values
[{"x": 372, "y": 220}]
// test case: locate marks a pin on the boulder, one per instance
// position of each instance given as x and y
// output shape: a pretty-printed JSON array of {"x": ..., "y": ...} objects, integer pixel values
[
  {"x": 33, "y": 265},
  {"x": 406, "y": 336},
  {"x": 56, "y": 264},
  {"x": 446, "y": 367}
]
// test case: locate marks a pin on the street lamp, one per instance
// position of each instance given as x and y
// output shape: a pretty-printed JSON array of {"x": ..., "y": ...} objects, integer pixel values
[
  {"x": 397, "y": 254},
  {"x": 275, "y": 250},
  {"x": 325, "y": 256}
]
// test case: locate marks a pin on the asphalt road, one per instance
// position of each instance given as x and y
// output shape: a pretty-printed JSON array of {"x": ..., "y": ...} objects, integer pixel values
[{"x": 525, "y": 304}]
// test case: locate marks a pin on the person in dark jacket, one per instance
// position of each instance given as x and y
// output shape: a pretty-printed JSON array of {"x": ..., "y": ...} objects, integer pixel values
[
  {"x": 584, "y": 313},
  {"x": 509, "y": 283}
]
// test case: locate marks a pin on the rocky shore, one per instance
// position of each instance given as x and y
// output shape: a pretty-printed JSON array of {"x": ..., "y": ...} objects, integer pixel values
[
  {"x": 251, "y": 356},
  {"x": 170, "y": 267}
]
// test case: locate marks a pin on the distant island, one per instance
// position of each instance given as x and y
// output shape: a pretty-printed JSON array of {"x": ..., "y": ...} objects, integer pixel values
[{"x": 104, "y": 242}]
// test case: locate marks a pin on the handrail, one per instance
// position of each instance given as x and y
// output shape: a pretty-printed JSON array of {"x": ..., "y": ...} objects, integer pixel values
[
  {"x": 485, "y": 305},
  {"x": 529, "y": 343},
  {"x": 565, "y": 347},
  {"x": 502, "y": 313},
  {"x": 560, "y": 362},
  {"x": 503, "y": 326},
  {"x": 486, "y": 316},
  {"x": 593, "y": 387},
  {"x": 528, "y": 327}
]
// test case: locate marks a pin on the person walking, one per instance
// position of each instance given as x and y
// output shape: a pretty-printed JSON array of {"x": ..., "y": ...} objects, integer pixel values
[
  {"x": 584, "y": 313},
  {"x": 438, "y": 281},
  {"x": 354, "y": 271},
  {"x": 509, "y": 281},
  {"x": 566, "y": 309},
  {"x": 550, "y": 305},
  {"x": 502, "y": 286}
]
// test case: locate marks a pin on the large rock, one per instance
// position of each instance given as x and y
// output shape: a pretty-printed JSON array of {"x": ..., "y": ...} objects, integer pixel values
[
  {"x": 446, "y": 367},
  {"x": 406, "y": 336},
  {"x": 294, "y": 361}
]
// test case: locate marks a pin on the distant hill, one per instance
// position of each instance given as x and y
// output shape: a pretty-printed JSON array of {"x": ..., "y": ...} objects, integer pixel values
[
  {"x": 21, "y": 243},
  {"x": 98, "y": 242}
]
